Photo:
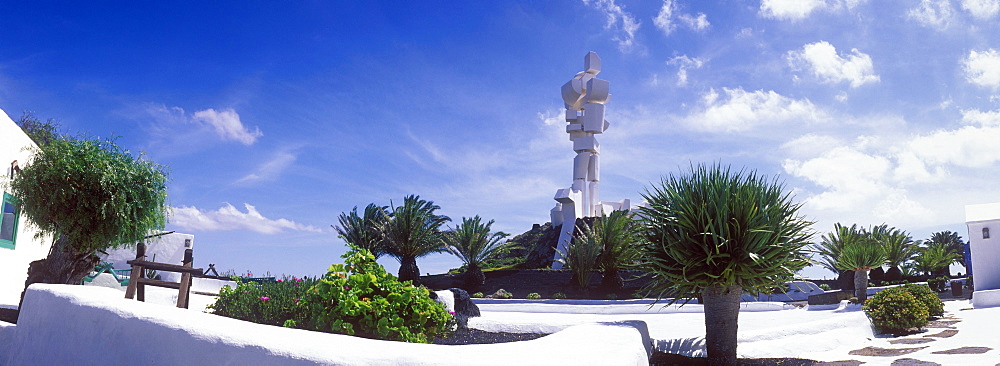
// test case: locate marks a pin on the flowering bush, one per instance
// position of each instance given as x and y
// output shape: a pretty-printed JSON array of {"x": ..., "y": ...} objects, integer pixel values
[
  {"x": 263, "y": 303},
  {"x": 360, "y": 298},
  {"x": 924, "y": 294},
  {"x": 895, "y": 311}
]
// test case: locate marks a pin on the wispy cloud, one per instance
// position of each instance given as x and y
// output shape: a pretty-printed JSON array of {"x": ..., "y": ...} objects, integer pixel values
[
  {"x": 796, "y": 10},
  {"x": 822, "y": 60},
  {"x": 228, "y": 217},
  {"x": 272, "y": 168},
  {"x": 620, "y": 20},
  {"x": 227, "y": 125},
  {"x": 685, "y": 63},
  {"x": 933, "y": 13},
  {"x": 664, "y": 19},
  {"x": 982, "y": 9},
  {"x": 983, "y": 68}
]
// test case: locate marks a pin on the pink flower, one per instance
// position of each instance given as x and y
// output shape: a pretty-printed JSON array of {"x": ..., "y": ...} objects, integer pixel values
[
  {"x": 451, "y": 312},
  {"x": 298, "y": 279},
  {"x": 264, "y": 298},
  {"x": 281, "y": 281},
  {"x": 347, "y": 287},
  {"x": 297, "y": 301}
]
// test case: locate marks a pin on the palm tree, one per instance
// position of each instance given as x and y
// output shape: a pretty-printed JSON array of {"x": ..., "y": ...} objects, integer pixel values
[
  {"x": 952, "y": 241},
  {"x": 364, "y": 231},
  {"x": 934, "y": 258},
  {"x": 859, "y": 254},
  {"x": 830, "y": 247},
  {"x": 899, "y": 247},
  {"x": 473, "y": 242},
  {"x": 412, "y": 230},
  {"x": 582, "y": 254},
  {"x": 719, "y": 233}
]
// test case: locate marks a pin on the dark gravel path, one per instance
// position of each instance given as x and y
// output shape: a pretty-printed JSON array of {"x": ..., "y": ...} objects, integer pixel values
[{"x": 476, "y": 336}]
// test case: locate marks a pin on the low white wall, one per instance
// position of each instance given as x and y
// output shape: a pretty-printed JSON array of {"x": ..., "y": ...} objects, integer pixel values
[{"x": 89, "y": 325}]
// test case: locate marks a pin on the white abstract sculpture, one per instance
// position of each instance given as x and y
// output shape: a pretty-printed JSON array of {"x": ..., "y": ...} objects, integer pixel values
[{"x": 584, "y": 96}]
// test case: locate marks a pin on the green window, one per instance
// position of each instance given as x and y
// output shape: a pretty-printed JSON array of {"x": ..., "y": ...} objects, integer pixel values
[{"x": 8, "y": 221}]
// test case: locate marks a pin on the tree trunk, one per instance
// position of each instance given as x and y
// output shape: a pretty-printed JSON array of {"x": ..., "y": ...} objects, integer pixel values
[
  {"x": 861, "y": 285},
  {"x": 63, "y": 265},
  {"x": 408, "y": 270},
  {"x": 474, "y": 277},
  {"x": 612, "y": 281},
  {"x": 722, "y": 310}
]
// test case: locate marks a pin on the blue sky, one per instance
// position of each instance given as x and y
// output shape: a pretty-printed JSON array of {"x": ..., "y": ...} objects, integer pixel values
[{"x": 275, "y": 118}]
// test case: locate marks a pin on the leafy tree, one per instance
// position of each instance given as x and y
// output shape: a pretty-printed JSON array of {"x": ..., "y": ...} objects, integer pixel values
[
  {"x": 934, "y": 259},
  {"x": 364, "y": 230},
  {"x": 899, "y": 247},
  {"x": 719, "y": 233},
  {"x": 412, "y": 230},
  {"x": 831, "y": 245},
  {"x": 617, "y": 235},
  {"x": 42, "y": 133},
  {"x": 474, "y": 242},
  {"x": 90, "y": 195},
  {"x": 952, "y": 241}
]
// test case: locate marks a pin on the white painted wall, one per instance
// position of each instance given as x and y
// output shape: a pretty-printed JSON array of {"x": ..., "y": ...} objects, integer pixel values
[
  {"x": 14, "y": 262},
  {"x": 90, "y": 325},
  {"x": 985, "y": 251},
  {"x": 166, "y": 249}
]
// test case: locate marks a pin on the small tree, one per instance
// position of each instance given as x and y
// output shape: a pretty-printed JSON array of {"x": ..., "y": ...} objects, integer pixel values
[
  {"x": 719, "y": 233},
  {"x": 860, "y": 254},
  {"x": 953, "y": 242},
  {"x": 474, "y": 242},
  {"x": 90, "y": 195},
  {"x": 899, "y": 247},
  {"x": 412, "y": 230},
  {"x": 364, "y": 231},
  {"x": 830, "y": 247},
  {"x": 934, "y": 259},
  {"x": 617, "y": 235},
  {"x": 582, "y": 254}
]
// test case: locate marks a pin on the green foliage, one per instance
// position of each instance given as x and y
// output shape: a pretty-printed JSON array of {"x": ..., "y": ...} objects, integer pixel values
[
  {"x": 825, "y": 287},
  {"x": 533, "y": 296},
  {"x": 42, "y": 133},
  {"x": 923, "y": 293},
  {"x": 506, "y": 295},
  {"x": 617, "y": 235},
  {"x": 474, "y": 242},
  {"x": 360, "y": 298},
  {"x": 92, "y": 192},
  {"x": 897, "y": 244},
  {"x": 952, "y": 241},
  {"x": 717, "y": 227},
  {"x": 558, "y": 295},
  {"x": 860, "y": 255},
  {"x": 938, "y": 283},
  {"x": 477, "y": 295},
  {"x": 934, "y": 257},
  {"x": 895, "y": 311},
  {"x": 269, "y": 303},
  {"x": 412, "y": 230},
  {"x": 364, "y": 230},
  {"x": 581, "y": 254}
]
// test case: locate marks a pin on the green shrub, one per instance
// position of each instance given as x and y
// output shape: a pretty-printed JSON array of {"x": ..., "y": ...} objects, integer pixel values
[
  {"x": 937, "y": 284},
  {"x": 360, "y": 298},
  {"x": 534, "y": 296},
  {"x": 477, "y": 295},
  {"x": 558, "y": 295},
  {"x": 506, "y": 295},
  {"x": 895, "y": 311},
  {"x": 825, "y": 287},
  {"x": 923, "y": 293},
  {"x": 263, "y": 303},
  {"x": 612, "y": 296}
]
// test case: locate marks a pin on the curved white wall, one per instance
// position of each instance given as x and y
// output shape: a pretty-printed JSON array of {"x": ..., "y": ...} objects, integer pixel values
[{"x": 89, "y": 325}]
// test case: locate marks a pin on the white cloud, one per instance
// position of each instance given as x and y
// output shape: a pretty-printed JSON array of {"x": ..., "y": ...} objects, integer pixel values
[
  {"x": 851, "y": 177},
  {"x": 740, "y": 110},
  {"x": 982, "y": 9},
  {"x": 983, "y": 68},
  {"x": 789, "y": 9},
  {"x": 698, "y": 23},
  {"x": 614, "y": 13},
  {"x": 664, "y": 19},
  {"x": 977, "y": 117},
  {"x": 227, "y": 125},
  {"x": 684, "y": 63},
  {"x": 271, "y": 169},
  {"x": 230, "y": 218},
  {"x": 822, "y": 59},
  {"x": 969, "y": 146},
  {"x": 933, "y": 13}
]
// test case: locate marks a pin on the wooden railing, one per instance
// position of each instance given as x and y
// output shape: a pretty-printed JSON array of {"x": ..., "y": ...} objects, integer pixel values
[{"x": 136, "y": 285}]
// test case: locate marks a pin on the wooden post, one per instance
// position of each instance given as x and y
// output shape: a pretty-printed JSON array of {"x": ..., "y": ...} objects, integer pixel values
[
  {"x": 133, "y": 282},
  {"x": 184, "y": 296}
]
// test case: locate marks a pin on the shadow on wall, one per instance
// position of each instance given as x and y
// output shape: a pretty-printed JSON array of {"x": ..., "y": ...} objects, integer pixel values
[{"x": 691, "y": 347}]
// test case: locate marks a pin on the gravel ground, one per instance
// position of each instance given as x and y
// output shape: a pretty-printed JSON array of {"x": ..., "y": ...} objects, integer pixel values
[{"x": 476, "y": 336}]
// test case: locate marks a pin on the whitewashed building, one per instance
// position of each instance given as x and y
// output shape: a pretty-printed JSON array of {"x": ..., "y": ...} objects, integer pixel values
[
  {"x": 18, "y": 245},
  {"x": 984, "y": 239}
]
